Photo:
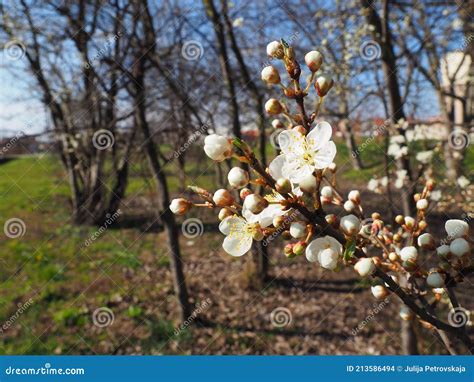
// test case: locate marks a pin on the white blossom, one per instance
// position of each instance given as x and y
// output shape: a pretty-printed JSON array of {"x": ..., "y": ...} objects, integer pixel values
[
  {"x": 326, "y": 250},
  {"x": 302, "y": 155}
]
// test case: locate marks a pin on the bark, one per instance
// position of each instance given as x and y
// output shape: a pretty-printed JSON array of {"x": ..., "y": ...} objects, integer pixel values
[
  {"x": 224, "y": 62},
  {"x": 167, "y": 216},
  {"x": 382, "y": 35},
  {"x": 346, "y": 129}
]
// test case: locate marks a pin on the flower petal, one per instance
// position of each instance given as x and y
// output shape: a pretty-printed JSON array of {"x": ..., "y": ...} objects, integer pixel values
[
  {"x": 325, "y": 156},
  {"x": 265, "y": 218},
  {"x": 319, "y": 135},
  {"x": 249, "y": 216},
  {"x": 231, "y": 224},
  {"x": 296, "y": 171},
  {"x": 291, "y": 142},
  {"x": 237, "y": 245},
  {"x": 276, "y": 166}
]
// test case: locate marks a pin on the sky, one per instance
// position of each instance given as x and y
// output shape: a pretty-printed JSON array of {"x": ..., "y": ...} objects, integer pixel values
[{"x": 20, "y": 110}]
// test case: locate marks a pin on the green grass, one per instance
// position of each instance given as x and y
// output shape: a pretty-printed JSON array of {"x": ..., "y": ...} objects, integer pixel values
[{"x": 50, "y": 264}]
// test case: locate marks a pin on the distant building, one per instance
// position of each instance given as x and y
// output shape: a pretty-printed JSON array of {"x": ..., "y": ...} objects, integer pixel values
[{"x": 457, "y": 77}]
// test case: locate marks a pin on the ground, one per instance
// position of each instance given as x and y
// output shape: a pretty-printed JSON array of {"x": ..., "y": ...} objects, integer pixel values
[{"x": 126, "y": 270}]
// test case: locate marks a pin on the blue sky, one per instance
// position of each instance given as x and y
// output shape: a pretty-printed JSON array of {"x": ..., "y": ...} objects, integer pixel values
[{"x": 20, "y": 109}]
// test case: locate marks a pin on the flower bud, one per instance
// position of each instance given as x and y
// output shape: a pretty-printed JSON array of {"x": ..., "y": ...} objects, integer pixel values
[
  {"x": 392, "y": 256},
  {"x": 238, "y": 177},
  {"x": 350, "y": 224},
  {"x": 364, "y": 267},
  {"x": 313, "y": 60},
  {"x": 308, "y": 184},
  {"x": 244, "y": 192},
  {"x": 375, "y": 216},
  {"x": 298, "y": 230},
  {"x": 277, "y": 124},
  {"x": 180, "y": 206},
  {"x": 349, "y": 206},
  {"x": 409, "y": 254},
  {"x": 273, "y": 106},
  {"x": 283, "y": 186},
  {"x": 299, "y": 248},
  {"x": 278, "y": 221},
  {"x": 331, "y": 219},
  {"x": 422, "y": 204},
  {"x": 426, "y": 241},
  {"x": 217, "y": 147},
  {"x": 430, "y": 183},
  {"x": 435, "y": 280},
  {"x": 300, "y": 129},
  {"x": 459, "y": 247},
  {"x": 332, "y": 166},
  {"x": 223, "y": 198},
  {"x": 400, "y": 219},
  {"x": 224, "y": 213},
  {"x": 354, "y": 196},
  {"x": 406, "y": 314},
  {"x": 456, "y": 228},
  {"x": 326, "y": 192},
  {"x": 409, "y": 222},
  {"x": 288, "y": 251},
  {"x": 275, "y": 50},
  {"x": 422, "y": 225},
  {"x": 323, "y": 84},
  {"x": 255, "y": 203},
  {"x": 379, "y": 292},
  {"x": 443, "y": 250},
  {"x": 270, "y": 75}
]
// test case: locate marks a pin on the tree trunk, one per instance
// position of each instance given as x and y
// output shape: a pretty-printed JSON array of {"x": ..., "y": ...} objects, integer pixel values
[
  {"x": 167, "y": 216},
  {"x": 351, "y": 145},
  {"x": 382, "y": 35}
]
